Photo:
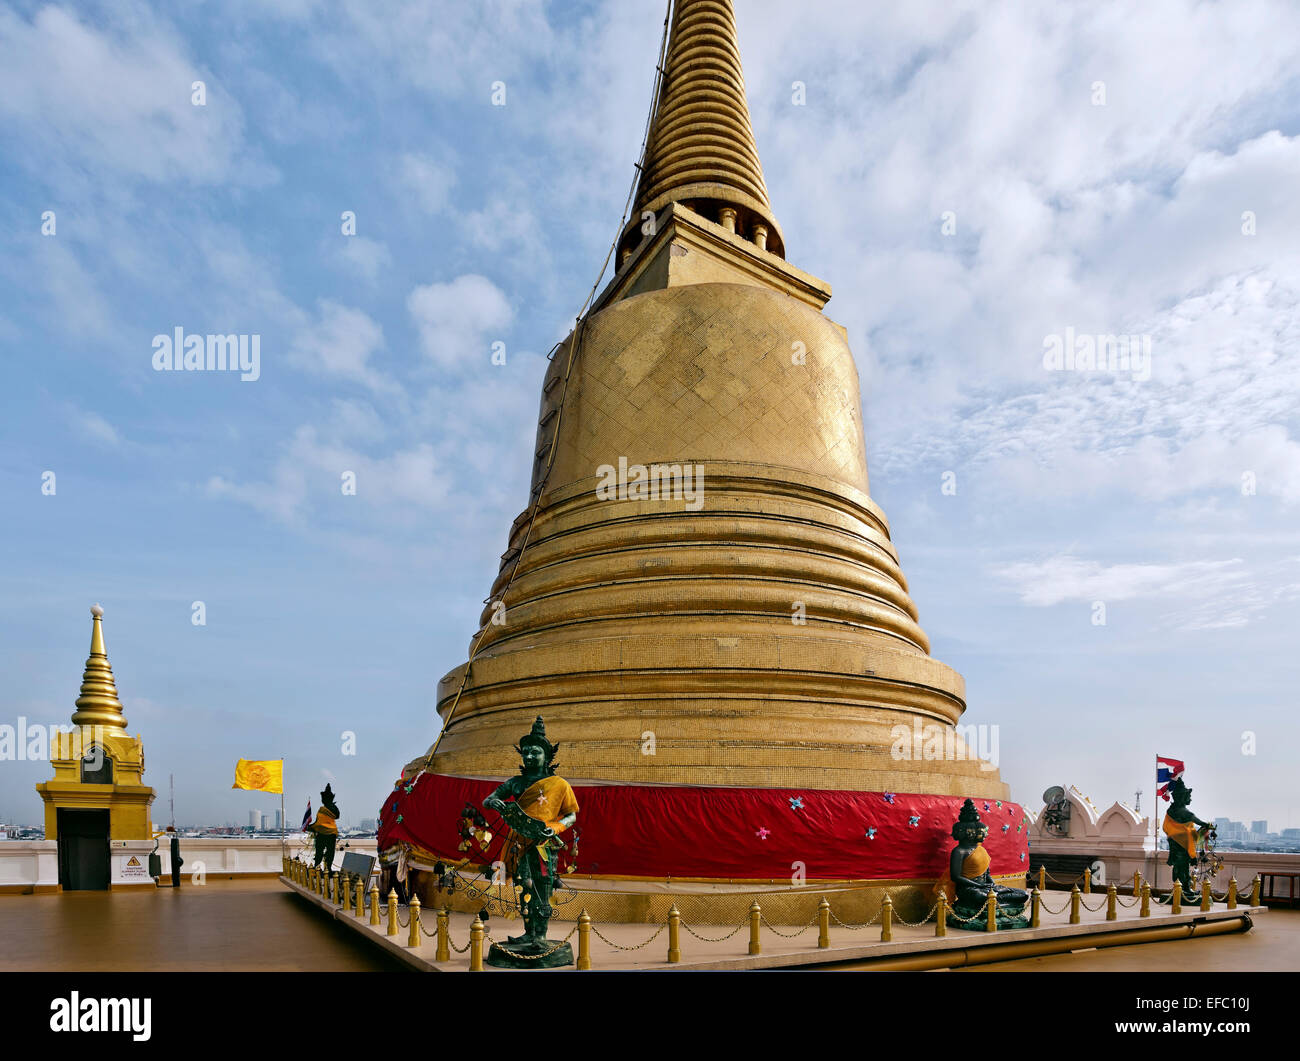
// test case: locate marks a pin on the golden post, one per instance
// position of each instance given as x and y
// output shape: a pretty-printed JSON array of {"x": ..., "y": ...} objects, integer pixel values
[
  {"x": 1087, "y": 881},
  {"x": 1137, "y": 883},
  {"x": 674, "y": 930},
  {"x": 1176, "y": 899},
  {"x": 941, "y": 915},
  {"x": 1112, "y": 899},
  {"x": 824, "y": 923},
  {"x": 392, "y": 912},
  {"x": 413, "y": 940},
  {"x": 1232, "y": 893},
  {"x": 584, "y": 940},
  {"x": 374, "y": 903},
  {"x": 1042, "y": 878},
  {"x": 755, "y": 913},
  {"x": 443, "y": 953},
  {"x": 1075, "y": 900},
  {"x": 1035, "y": 908},
  {"x": 361, "y": 897},
  {"x": 887, "y": 920},
  {"x": 476, "y": 946},
  {"x": 1146, "y": 900},
  {"x": 1256, "y": 886},
  {"x": 992, "y": 911},
  {"x": 1207, "y": 897}
]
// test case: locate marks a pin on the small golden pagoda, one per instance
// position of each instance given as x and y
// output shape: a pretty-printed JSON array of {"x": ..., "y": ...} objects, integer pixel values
[
  {"x": 97, "y": 795},
  {"x": 701, "y": 593}
]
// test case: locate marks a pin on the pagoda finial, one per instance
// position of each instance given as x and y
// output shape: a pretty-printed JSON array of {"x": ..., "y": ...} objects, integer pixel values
[
  {"x": 701, "y": 149},
  {"x": 98, "y": 704}
]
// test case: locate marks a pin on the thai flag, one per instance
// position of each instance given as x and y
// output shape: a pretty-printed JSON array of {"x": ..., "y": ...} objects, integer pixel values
[
  {"x": 306, "y": 819},
  {"x": 1167, "y": 772}
]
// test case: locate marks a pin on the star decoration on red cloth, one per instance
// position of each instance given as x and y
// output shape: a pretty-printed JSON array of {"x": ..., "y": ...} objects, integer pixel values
[
  {"x": 888, "y": 798},
  {"x": 763, "y": 832}
]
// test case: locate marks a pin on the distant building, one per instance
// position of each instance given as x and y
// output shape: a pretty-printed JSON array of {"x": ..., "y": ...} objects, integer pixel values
[
  {"x": 1259, "y": 828},
  {"x": 1291, "y": 834}
]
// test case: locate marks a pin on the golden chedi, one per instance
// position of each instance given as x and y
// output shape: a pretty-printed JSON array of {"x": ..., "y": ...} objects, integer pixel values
[
  {"x": 97, "y": 795},
  {"x": 701, "y": 594}
]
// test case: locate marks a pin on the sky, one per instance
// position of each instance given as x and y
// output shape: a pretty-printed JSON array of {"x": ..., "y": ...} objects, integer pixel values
[{"x": 1111, "y": 557}]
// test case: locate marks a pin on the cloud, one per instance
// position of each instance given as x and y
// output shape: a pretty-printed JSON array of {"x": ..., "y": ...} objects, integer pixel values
[
  {"x": 117, "y": 98},
  {"x": 312, "y": 471},
  {"x": 365, "y": 257},
  {"x": 340, "y": 343},
  {"x": 458, "y": 320},
  {"x": 425, "y": 181}
]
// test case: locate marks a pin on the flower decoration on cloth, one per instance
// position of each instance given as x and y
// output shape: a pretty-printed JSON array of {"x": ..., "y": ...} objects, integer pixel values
[
  {"x": 763, "y": 832},
  {"x": 796, "y": 803},
  {"x": 871, "y": 832},
  {"x": 986, "y": 804},
  {"x": 914, "y": 820},
  {"x": 1006, "y": 827},
  {"x": 1022, "y": 856},
  {"x": 399, "y": 817},
  {"x": 888, "y": 797},
  {"x": 408, "y": 788}
]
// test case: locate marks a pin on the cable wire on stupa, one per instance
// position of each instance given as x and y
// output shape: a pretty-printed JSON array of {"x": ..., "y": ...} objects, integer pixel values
[{"x": 575, "y": 349}]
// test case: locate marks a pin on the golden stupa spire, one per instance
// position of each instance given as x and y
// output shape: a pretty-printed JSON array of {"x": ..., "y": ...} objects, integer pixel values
[
  {"x": 98, "y": 704},
  {"x": 701, "y": 150}
]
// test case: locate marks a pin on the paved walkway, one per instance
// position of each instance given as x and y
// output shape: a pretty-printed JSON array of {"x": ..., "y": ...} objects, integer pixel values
[
  {"x": 1273, "y": 945},
  {"x": 229, "y": 926}
]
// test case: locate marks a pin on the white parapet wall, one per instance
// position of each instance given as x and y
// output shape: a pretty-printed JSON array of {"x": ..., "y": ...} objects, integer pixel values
[
  {"x": 1122, "y": 841},
  {"x": 32, "y": 866}
]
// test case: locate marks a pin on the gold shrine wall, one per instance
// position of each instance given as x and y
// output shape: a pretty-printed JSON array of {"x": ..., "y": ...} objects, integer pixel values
[{"x": 766, "y": 639}]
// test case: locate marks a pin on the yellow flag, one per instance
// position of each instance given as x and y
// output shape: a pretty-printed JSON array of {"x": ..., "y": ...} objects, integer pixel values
[{"x": 263, "y": 775}]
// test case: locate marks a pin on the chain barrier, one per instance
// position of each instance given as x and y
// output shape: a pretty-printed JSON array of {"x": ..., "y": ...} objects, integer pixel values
[
  {"x": 1065, "y": 883},
  {"x": 719, "y": 939},
  {"x": 916, "y": 924},
  {"x": 616, "y": 946},
  {"x": 1133, "y": 901},
  {"x": 787, "y": 935},
  {"x": 528, "y": 957},
  {"x": 1043, "y": 904},
  {"x": 865, "y": 924},
  {"x": 1091, "y": 909}
]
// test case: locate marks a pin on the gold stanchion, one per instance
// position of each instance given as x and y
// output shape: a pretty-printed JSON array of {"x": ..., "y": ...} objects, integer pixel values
[
  {"x": 1176, "y": 899},
  {"x": 476, "y": 946},
  {"x": 941, "y": 915},
  {"x": 443, "y": 952},
  {"x": 1207, "y": 898},
  {"x": 1232, "y": 893},
  {"x": 584, "y": 940},
  {"x": 1035, "y": 908},
  {"x": 374, "y": 903},
  {"x": 1146, "y": 900},
  {"x": 1075, "y": 901},
  {"x": 991, "y": 923},
  {"x": 1256, "y": 886},
  {"x": 887, "y": 920},
  {"x": 674, "y": 930},
  {"x": 392, "y": 912},
  {"x": 1137, "y": 883},
  {"x": 360, "y": 897},
  {"x": 1042, "y": 878},
  {"x": 413, "y": 909},
  {"x": 1087, "y": 882},
  {"x": 1112, "y": 900},
  {"x": 754, "y": 915},
  {"x": 824, "y": 923}
]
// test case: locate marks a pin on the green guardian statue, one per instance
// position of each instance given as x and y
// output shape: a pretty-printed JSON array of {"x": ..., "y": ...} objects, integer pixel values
[
  {"x": 968, "y": 882},
  {"x": 538, "y": 807}
]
